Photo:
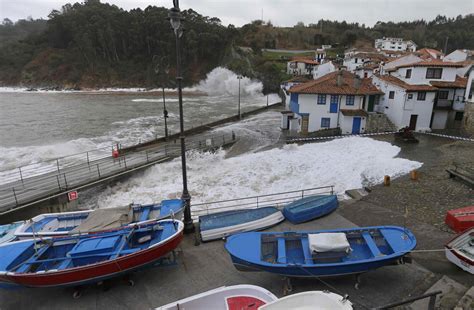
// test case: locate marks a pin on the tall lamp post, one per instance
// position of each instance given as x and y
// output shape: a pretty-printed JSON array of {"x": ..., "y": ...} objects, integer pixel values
[
  {"x": 175, "y": 20},
  {"x": 162, "y": 70},
  {"x": 239, "y": 77}
]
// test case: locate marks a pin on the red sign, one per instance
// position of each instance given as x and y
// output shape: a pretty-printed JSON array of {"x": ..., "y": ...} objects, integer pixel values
[{"x": 72, "y": 195}]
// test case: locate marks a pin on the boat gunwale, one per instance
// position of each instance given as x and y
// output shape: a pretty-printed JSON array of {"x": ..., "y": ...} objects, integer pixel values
[
  {"x": 394, "y": 255},
  {"x": 176, "y": 234}
]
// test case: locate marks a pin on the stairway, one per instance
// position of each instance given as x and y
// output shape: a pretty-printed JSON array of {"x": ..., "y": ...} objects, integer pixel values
[
  {"x": 454, "y": 296},
  {"x": 379, "y": 122}
]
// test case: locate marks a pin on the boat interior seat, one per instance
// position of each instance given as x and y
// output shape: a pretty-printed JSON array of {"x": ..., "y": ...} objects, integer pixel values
[
  {"x": 371, "y": 244},
  {"x": 281, "y": 251},
  {"x": 145, "y": 214}
]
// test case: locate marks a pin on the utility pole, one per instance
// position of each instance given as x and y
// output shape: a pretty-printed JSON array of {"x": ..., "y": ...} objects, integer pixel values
[
  {"x": 239, "y": 77},
  {"x": 446, "y": 46}
]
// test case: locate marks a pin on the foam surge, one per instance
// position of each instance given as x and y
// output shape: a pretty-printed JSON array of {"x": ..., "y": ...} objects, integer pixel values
[
  {"x": 222, "y": 81},
  {"x": 345, "y": 163}
]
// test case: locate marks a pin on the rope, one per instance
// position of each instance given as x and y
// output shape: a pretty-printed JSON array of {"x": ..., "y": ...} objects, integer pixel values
[
  {"x": 290, "y": 139},
  {"x": 447, "y": 136}
]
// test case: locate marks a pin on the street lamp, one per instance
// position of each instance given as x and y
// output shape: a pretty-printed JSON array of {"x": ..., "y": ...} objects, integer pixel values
[
  {"x": 162, "y": 70},
  {"x": 239, "y": 77},
  {"x": 175, "y": 20}
]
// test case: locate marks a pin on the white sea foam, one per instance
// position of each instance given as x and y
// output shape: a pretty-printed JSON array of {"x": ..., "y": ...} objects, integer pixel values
[
  {"x": 345, "y": 163},
  {"x": 222, "y": 81}
]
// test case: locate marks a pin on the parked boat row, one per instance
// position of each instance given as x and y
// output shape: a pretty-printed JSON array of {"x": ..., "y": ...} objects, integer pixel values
[
  {"x": 88, "y": 221},
  {"x": 223, "y": 224},
  {"x": 250, "y": 297}
]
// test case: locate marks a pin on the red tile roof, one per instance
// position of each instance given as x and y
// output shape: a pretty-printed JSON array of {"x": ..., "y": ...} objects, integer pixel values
[
  {"x": 426, "y": 53},
  {"x": 433, "y": 63},
  {"x": 306, "y": 60},
  {"x": 297, "y": 79},
  {"x": 327, "y": 84},
  {"x": 397, "y": 82},
  {"x": 460, "y": 82}
]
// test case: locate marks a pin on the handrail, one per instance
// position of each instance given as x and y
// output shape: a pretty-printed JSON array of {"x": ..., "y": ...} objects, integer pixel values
[
  {"x": 431, "y": 305},
  {"x": 261, "y": 200}
]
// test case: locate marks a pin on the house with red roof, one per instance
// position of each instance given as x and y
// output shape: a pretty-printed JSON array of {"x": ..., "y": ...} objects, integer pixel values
[
  {"x": 336, "y": 100},
  {"x": 301, "y": 66},
  {"x": 449, "y": 91}
]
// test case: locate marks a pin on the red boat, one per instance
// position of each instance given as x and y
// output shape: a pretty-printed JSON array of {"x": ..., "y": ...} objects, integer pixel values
[
  {"x": 78, "y": 260},
  {"x": 460, "y": 219}
]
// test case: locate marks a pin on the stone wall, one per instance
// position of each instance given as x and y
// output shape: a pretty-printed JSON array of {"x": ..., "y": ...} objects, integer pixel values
[
  {"x": 467, "y": 127},
  {"x": 377, "y": 122}
]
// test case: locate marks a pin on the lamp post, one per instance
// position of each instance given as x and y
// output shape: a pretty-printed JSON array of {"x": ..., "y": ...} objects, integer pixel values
[
  {"x": 175, "y": 20},
  {"x": 162, "y": 70},
  {"x": 239, "y": 77}
]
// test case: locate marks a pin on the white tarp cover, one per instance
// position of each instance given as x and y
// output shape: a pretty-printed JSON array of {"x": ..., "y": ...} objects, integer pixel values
[{"x": 328, "y": 242}]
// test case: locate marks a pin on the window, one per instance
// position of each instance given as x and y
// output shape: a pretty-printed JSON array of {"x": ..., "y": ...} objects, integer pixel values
[
  {"x": 410, "y": 96},
  {"x": 334, "y": 99},
  {"x": 408, "y": 74},
  {"x": 325, "y": 122},
  {"x": 443, "y": 94},
  {"x": 377, "y": 99},
  {"x": 421, "y": 96},
  {"x": 321, "y": 99},
  {"x": 366, "y": 75},
  {"x": 391, "y": 94},
  {"x": 350, "y": 100},
  {"x": 434, "y": 73},
  {"x": 355, "y": 60}
]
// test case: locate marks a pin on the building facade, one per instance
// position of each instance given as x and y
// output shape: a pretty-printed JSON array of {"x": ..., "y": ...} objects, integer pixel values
[{"x": 395, "y": 44}]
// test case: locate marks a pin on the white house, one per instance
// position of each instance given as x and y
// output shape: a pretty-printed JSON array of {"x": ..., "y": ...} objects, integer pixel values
[
  {"x": 405, "y": 104},
  {"x": 460, "y": 55},
  {"x": 286, "y": 85},
  {"x": 301, "y": 66},
  {"x": 323, "y": 69},
  {"x": 395, "y": 44},
  {"x": 352, "y": 61},
  {"x": 423, "y": 95},
  {"x": 337, "y": 100}
]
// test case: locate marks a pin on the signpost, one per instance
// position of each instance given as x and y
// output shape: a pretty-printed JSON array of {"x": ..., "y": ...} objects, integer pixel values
[{"x": 72, "y": 195}]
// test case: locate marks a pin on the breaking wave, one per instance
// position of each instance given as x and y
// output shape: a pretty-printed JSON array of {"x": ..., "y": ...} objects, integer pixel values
[{"x": 222, "y": 81}]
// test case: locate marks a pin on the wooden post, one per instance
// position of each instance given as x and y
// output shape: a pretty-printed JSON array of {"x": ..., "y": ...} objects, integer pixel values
[
  {"x": 386, "y": 180},
  {"x": 414, "y": 175}
]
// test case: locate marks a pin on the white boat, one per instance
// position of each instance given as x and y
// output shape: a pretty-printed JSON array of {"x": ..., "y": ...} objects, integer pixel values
[
  {"x": 76, "y": 222},
  {"x": 460, "y": 250},
  {"x": 235, "y": 297},
  {"x": 314, "y": 300},
  {"x": 222, "y": 224}
]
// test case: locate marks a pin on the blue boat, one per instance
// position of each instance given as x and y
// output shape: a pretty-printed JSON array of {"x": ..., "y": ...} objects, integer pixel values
[
  {"x": 88, "y": 258},
  {"x": 222, "y": 224},
  {"x": 309, "y": 208},
  {"x": 7, "y": 232},
  {"x": 320, "y": 253},
  {"x": 60, "y": 224}
]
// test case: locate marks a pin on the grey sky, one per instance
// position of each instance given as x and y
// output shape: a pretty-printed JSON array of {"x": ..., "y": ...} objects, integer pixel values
[{"x": 280, "y": 12}]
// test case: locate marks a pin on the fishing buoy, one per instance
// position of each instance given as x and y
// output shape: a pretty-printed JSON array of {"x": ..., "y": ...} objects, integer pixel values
[
  {"x": 414, "y": 175},
  {"x": 386, "y": 180}
]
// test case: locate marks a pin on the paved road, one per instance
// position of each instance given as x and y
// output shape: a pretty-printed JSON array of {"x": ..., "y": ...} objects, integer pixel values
[{"x": 87, "y": 173}]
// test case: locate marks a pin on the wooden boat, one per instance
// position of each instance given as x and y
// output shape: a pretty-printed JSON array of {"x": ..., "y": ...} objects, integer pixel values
[
  {"x": 235, "y": 297},
  {"x": 460, "y": 219},
  {"x": 460, "y": 251},
  {"x": 222, "y": 224},
  {"x": 320, "y": 253},
  {"x": 60, "y": 224},
  {"x": 309, "y": 208},
  {"x": 7, "y": 232},
  {"x": 83, "y": 259},
  {"x": 314, "y": 300}
]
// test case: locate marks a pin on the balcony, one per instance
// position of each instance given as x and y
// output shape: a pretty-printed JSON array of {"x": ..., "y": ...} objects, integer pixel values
[
  {"x": 443, "y": 104},
  {"x": 458, "y": 105}
]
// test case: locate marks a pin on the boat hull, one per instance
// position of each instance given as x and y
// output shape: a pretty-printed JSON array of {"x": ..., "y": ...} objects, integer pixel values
[
  {"x": 289, "y": 254},
  {"x": 95, "y": 272},
  {"x": 225, "y": 298},
  {"x": 461, "y": 219},
  {"x": 310, "y": 208},
  {"x": 257, "y": 224},
  {"x": 460, "y": 250}
]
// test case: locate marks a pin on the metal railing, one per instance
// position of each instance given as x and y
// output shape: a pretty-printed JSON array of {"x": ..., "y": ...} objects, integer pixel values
[
  {"x": 431, "y": 303},
  {"x": 64, "y": 178},
  {"x": 277, "y": 200}
]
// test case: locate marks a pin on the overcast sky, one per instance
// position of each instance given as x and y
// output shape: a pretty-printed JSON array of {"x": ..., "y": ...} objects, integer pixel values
[{"x": 280, "y": 12}]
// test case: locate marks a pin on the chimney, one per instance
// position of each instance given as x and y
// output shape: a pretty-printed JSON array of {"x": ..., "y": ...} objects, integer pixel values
[
  {"x": 339, "y": 78},
  {"x": 357, "y": 82}
]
